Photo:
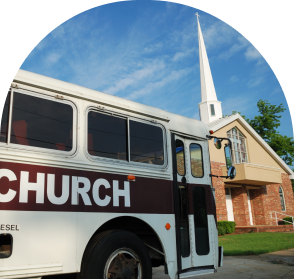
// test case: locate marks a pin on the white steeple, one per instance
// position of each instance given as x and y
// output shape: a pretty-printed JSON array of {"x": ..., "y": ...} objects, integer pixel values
[{"x": 210, "y": 108}]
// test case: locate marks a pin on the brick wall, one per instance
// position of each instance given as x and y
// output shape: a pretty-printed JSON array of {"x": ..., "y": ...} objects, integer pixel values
[{"x": 220, "y": 197}]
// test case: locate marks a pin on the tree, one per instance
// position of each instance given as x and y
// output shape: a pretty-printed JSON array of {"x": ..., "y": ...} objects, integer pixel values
[{"x": 266, "y": 123}]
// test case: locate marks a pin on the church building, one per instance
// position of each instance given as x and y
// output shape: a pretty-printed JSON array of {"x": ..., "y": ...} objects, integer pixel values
[{"x": 261, "y": 193}]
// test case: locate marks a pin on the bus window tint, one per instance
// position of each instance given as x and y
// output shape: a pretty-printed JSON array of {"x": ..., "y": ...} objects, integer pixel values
[
  {"x": 41, "y": 123},
  {"x": 146, "y": 143},
  {"x": 180, "y": 157},
  {"x": 107, "y": 136},
  {"x": 196, "y": 160},
  {"x": 4, "y": 121}
]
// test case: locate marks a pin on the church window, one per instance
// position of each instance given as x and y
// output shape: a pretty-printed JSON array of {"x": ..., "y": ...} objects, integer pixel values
[
  {"x": 282, "y": 199},
  {"x": 239, "y": 151},
  {"x": 212, "y": 111}
]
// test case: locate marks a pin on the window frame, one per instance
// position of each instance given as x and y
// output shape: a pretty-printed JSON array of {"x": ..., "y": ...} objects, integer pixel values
[
  {"x": 280, "y": 187},
  {"x": 230, "y": 132},
  {"x": 41, "y": 150},
  {"x": 128, "y": 117}
]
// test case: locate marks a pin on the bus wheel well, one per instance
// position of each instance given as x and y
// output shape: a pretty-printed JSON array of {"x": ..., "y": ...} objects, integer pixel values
[{"x": 142, "y": 230}]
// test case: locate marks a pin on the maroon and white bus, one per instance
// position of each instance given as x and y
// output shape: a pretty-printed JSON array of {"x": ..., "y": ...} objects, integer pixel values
[{"x": 102, "y": 187}]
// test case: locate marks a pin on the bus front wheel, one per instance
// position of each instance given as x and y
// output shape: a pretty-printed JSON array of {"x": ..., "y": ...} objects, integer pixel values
[{"x": 116, "y": 254}]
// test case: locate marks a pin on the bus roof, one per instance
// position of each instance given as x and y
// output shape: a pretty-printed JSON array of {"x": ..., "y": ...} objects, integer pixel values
[{"x": 176, "y": 122}]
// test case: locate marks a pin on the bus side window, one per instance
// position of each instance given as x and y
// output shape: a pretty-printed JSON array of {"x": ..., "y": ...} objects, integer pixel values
[
  {"x": 4, "y": 121},
  {"x": 146, "y": 143},
  {"x": 107, "y": 136},
  {"x": 41, "y": 123}
]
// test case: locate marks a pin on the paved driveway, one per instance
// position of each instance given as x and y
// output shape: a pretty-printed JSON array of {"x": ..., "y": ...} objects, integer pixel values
[{"x": 274, "y": 265}]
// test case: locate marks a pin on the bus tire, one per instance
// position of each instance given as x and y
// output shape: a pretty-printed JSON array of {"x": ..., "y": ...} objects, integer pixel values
[{"x": 116, "y": 254}]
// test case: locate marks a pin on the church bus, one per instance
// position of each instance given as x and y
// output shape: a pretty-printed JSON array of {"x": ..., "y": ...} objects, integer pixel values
[{"x": 97, "y": 186}]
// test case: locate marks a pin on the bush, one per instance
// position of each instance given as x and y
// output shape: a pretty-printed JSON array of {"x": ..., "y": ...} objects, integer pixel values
[
  {"x": 221, "y": 229},
  {"x": 225, "y": 227},
  {"x": 289, "y": 219}
]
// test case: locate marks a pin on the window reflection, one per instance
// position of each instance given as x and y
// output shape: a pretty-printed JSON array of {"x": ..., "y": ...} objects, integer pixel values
[
  {"x": 107, "y": 136},
  {"x": 146, "y": 143},
  {"x": 196, "y": 160},
  {"x": 41, "y": 123},
  {"x": 180, "y": 157}
]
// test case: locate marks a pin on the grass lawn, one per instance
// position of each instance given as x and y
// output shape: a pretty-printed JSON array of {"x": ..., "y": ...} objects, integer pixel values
[{"x": 255, "y": 243}]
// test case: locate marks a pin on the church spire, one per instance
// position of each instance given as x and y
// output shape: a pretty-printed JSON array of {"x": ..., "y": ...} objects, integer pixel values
[{"x": 210, "y": 108}]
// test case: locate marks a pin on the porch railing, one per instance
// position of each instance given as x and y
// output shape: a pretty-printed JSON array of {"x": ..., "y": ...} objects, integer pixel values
[{"x": 275, "y": 214}]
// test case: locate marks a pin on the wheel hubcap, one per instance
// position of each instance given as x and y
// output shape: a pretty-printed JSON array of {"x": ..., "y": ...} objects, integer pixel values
[{"x": 123, "y": 264}]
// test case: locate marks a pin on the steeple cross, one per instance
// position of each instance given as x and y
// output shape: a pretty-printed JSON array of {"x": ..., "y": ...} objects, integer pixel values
[{"x": 197, "y": 15}]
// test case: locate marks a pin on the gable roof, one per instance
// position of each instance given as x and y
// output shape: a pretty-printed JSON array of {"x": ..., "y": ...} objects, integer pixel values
[{"x": 222, "y": 122}]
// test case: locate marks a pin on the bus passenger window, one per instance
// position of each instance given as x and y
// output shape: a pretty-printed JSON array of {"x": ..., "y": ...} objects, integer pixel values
[
  {"x": 146, "y": 143},
  {"x": 4, "y": 121},
  {"x": 180, "y": 157},
  {"x": 41, "y": 123},
  {"x": 196, "y": 160},
  {"x": 107, "y": 136}
]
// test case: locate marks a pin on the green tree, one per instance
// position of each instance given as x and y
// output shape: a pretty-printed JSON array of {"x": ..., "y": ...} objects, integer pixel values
[{"x": 266, "y": 124}]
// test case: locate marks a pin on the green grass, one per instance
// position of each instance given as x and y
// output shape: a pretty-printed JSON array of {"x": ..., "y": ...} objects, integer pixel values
[{"x": 255, "y": 243}]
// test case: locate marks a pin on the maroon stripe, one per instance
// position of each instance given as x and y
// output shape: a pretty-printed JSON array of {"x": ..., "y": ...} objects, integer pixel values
[{"x": 147, "y": 195}]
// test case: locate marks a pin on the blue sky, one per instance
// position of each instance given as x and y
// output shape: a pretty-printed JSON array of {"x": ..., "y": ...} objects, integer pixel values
[{"x": 147, "y": 51}]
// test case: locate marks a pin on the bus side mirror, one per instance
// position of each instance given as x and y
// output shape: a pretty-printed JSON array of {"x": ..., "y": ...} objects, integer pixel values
[
  {"x": 232, "y": 172},
  {"x": 217, "y": 143},
  {"x": 228, "y": 156},
  {"x": 231, "y": 169}
]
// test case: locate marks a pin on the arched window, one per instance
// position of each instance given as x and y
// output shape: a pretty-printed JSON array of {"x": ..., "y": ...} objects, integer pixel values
[
  {"x": 282, "y": 199},
  {"x": 238, "y": 146}
]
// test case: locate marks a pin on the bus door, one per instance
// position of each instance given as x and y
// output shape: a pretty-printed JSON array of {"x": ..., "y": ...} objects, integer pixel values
[{"x": 195, "y": 229}]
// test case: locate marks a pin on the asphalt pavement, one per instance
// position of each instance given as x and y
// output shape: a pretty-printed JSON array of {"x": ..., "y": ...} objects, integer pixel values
[{"x": 275, "y": 265}]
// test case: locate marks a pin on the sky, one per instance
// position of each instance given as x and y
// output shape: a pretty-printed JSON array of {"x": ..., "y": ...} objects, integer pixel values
[{"x": 147, "y": 51}]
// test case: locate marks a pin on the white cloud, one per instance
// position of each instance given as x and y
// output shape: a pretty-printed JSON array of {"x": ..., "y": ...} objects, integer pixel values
[
  {"x": 136, "y": 76},
  {"x": 252, "y": 53},
  {"x": 52, "y": 58},
  {"x": 241, "y": 103},
  {"x": 217, "y": 35},
  {"x": 58, "y": 32},
  {"x": 150, "y": 87},
  {"x": 180, "y": 55},
  {"x": 152, "y": 48},
  {"x": 255, "y": 82},
  {"x": 233, "y": 79},
  {"x": 235, "y": 48}
]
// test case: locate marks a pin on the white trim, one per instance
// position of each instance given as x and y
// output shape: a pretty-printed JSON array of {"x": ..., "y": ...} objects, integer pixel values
[
  {"x": 218, "y": 124},
  {"x": 249, "y": 208},
  {"x": 285, "y": 209}
]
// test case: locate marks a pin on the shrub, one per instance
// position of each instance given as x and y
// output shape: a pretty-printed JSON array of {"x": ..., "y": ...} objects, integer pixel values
[
  {"x": 289, "y": 219},
  {"x": 224, "y": 227},
  {"x": 221, "y": 229}
]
